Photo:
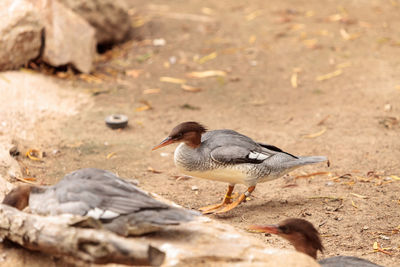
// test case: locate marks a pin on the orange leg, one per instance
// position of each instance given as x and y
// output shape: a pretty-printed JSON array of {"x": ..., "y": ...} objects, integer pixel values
[
  {"x": 227, "y": 200},
  {"x": 236, "y": 203}
]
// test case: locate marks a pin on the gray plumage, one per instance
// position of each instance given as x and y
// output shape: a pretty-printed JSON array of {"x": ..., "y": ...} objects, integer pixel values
[
  {"x": 347, "y": 261},
  {"x": 121, "y": 206},
  {"x": 227, "y": 149}
]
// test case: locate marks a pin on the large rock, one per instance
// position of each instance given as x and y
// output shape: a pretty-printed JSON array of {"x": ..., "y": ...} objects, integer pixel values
[
  {"x": 20, "y": 33},
  {"x": 69, "y": 39},
  {"x": 108, "y": 17}
]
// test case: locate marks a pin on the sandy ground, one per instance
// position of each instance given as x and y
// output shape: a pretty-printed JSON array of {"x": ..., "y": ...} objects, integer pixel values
[{"x": 311, "y": 77}]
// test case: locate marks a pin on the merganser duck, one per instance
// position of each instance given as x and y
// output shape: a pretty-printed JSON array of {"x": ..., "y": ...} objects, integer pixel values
[
  {"x": 228, "y": 156},
  {"x": 121, "y": 207},
  {"x": 305, "y": 238}
]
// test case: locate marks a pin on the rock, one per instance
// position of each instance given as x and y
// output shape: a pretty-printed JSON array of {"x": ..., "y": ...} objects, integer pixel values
[
  {"x": 109, "y": 17},
  {"x": 20, "y": 33},
  {"x": 69, "y": 39}
]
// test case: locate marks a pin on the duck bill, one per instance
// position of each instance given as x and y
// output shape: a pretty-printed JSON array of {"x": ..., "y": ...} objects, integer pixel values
[
  {"x": 167, "y": 141},
  {"x": 271, "y": 229}
]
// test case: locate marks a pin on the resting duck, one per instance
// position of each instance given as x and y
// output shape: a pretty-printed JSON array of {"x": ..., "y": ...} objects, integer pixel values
[
  {"x": 228, "y": 156},
  {"x": 305, "y": 238},
  {"x": 121, "y": 207}
]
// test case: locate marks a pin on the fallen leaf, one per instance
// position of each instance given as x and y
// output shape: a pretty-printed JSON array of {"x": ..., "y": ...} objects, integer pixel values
[
  {"x": 151, "y": 169},
  {"x": 329, "y": 75},
  {"x": 207, "y": 58},
  {"x": 395, "y": 177},
  {"x": 133, "y": 73},
  {"x": 33, "y": 154},
  {"x": 353, "y": 204},
  {"x": 189, "y": 88},
  {"x": 151, "y": 91},
  {"x": 359, "y": 196},
  {"x": 110, "y": 155},
  {"x": 346, "y": 36},
  {"x": 172, "y": 80},
  {"x": 147, "y": 106},
  {"x": 206, "y": 74},
  {"x": 30, "y": 179},
  {"x": 313, "y": 135}
]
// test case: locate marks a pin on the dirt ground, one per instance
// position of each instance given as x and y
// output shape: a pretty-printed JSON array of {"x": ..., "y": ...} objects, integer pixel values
[{"x": 311, "y": 77}]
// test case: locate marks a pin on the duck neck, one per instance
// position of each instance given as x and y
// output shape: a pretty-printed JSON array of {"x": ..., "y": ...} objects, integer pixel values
[{"x": 193, "y": 139}]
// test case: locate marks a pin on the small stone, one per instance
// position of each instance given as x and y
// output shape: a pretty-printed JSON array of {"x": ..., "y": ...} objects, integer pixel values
[
  {"x": 164, "y": 154},
  {"x": 55, "y": 151},
  {"x": 387, "y": 178},
  {"x": 195, "y": 188},
  {"x": 338, "y": 218},
  {"x": 172, "y": 60},
  {"x": 365, "y": 228},
  {"x": 384, "y": 237},
  {"x": 159, "y": 42},
  {"x": 388, "y": 107},
  {"x": 330, "y": 183}
]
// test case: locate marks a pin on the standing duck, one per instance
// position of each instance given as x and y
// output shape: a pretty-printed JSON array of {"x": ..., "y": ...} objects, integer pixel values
[
  {"x": 121, "y": 207},
  {"x": 228, "y": 156},
  {"x": 305, "y": 238}
]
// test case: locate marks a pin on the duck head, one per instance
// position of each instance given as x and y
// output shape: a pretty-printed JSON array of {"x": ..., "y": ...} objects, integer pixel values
[
  {"x": 187, "y": 132},
  {"x": 300, "y": 233}
]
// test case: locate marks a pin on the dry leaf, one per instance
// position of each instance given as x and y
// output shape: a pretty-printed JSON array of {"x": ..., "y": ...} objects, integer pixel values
[
  {"x": 353, "y": 204},
  {"x": 359, "y": 196},
  {"x": 172, "y": 80},
  {"x": 395, "y": 177},
  {"x": 206, "y": 74},
  {"x": 189, "y": 88},
  {"x": 207, "y": 58},
  {"x": 146, "y": 106},
  {"x": 133, "y": 73},
  {"x": 33, "y": 154},
  {"x": 293, "y": 80},
  {"x": 346, "y": 36},
  {"x": 110, "y": 155},
  {"x": 150, "y": 169},
  {"x": 151, "y": 91},
  {"x": 329, "y": 75},
  {"x": 313, "y": 135}
]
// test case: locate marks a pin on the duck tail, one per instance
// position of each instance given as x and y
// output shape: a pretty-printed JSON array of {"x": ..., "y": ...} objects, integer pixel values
[{"x": 308, "y": 160}]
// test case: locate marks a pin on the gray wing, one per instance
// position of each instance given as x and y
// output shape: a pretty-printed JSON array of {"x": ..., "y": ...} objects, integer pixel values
[
  {"x": 103, "y": 194},
  {"x": 230, "y": 147}
]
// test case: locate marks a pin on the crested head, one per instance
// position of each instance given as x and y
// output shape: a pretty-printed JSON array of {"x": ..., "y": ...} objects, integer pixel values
[
  {"x": 185, "y": 127},
  {"x": 18, "y": 197},
  {"x": 188, "y": 132},
  {"x": 300, "y": 233}
]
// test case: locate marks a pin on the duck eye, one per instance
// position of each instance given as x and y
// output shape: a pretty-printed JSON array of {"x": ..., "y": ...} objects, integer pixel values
[
  {"x": 178, "y": 136},
  {"x": 284, "y": 229}
]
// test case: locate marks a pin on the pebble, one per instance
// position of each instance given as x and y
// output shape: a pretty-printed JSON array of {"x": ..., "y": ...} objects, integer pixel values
[
  {"x": 195, "y": 188},
  {"x": 159, "y": 42},
  {"x": 330, "y": 183},
  {"x": 163, "y": 154},
  {"x": 172, "y": 60},
  {"x": 365, "y": 228},
  {"x": 384, "y": 237}
]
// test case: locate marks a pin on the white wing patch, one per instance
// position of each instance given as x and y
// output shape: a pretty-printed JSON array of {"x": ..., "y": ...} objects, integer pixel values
[
  {"x": 257, "y": 156},
  {"x": 97, "y": 213}
]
